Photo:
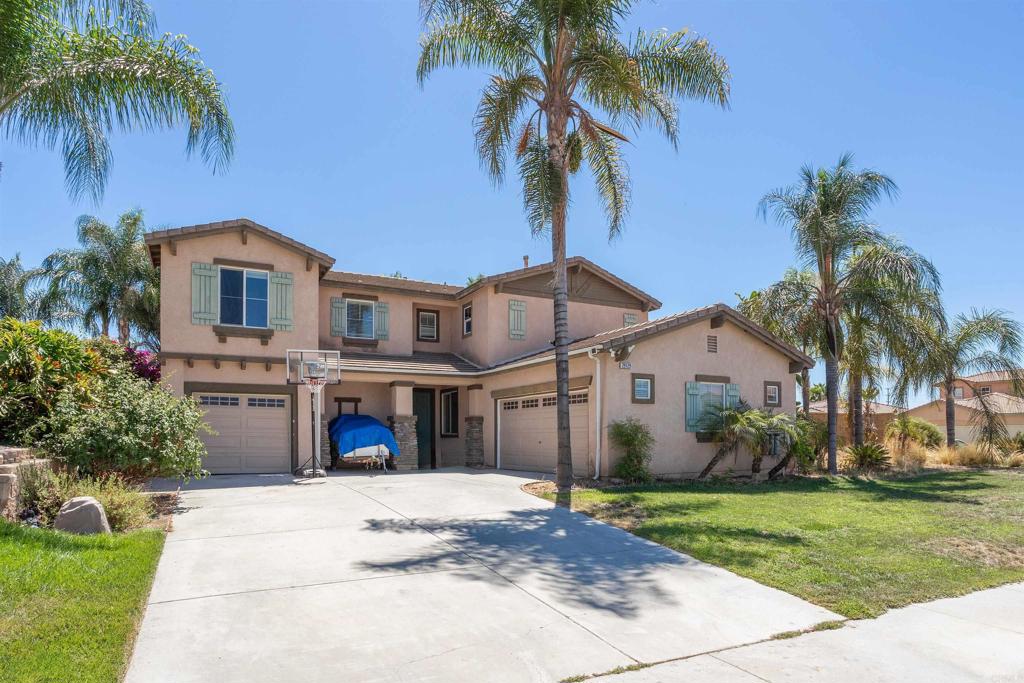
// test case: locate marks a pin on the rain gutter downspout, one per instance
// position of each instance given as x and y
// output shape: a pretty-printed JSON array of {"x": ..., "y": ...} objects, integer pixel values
[{"x": 595, "y": 353}]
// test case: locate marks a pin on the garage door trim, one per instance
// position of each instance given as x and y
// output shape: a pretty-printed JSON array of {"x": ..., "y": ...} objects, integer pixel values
[{"x": 276, "y": 389}]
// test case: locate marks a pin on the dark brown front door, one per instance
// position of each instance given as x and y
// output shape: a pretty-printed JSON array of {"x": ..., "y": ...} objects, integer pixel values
[{"x": 423, "y": 409}]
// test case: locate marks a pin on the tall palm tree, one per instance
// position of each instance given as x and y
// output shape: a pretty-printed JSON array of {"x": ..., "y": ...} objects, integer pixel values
[
  {"x": 796, "y": 324},
  {"x": 561, "y": 67},
  {"x": 25, "y": 294},
  {"x": 983, "y": 341},
  {"x": 827, "y": 213},
  {"x": 72, "y": 71},
  {"x": 107, "y": 278}
]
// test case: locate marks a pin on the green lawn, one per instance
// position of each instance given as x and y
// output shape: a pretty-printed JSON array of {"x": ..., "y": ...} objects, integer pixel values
[
  {"x": 70, "y": 605},
  {"x": 855, "y": 546}
]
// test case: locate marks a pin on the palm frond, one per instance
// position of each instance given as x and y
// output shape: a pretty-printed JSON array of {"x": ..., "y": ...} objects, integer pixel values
[
  {"x": 501, "y": 105},
  {"x": 542, "y": 184},
  {"x": 611, "y": 175}
]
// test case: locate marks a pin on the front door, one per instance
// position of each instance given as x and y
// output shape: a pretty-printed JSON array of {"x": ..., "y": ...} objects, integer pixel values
[{"x": 423, "y": 409}]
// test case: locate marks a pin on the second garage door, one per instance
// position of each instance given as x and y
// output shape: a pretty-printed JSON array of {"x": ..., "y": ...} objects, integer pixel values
[
  {"x": 253, "y": 433},
  {"x": 529, "y": 439}
]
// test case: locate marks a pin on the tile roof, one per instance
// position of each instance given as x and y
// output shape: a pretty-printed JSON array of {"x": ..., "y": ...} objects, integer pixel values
[
  {"x": 999, "y": 375},
  {"x": 419, "y": 363},
  {"x": 156, "y": 236},
  {"x": 623, "y": 336},
  {"x": 385, "y": 282},
  {"x": 998, "y": 402}
]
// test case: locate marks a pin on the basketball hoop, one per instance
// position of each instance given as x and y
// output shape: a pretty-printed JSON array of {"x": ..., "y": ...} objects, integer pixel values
[
  {"x": 314, "y": 369},
  {"x": 315, "y": 384}
]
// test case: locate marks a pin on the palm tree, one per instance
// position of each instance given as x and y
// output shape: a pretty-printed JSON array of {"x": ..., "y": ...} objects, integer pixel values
[
  {"x": 110, "y": 277},
  {"x": 983, "y": 341},
  {"x": 827, "y": 215},
  {"x": 72, "y": 71},
  {"x": 798, "y": 325},
  {"x": 559, "y": 66},
  {"x": 25, "y": 296},
  {"x": 817, "y": 392}
]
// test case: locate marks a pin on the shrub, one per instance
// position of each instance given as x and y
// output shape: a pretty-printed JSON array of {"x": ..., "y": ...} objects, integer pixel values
[
  {"x": 1012, "y": 444},
  {"x": 128, "y": 426},
  {"x": 966, "y": 455},
  {"x": 636, "y": 441},
  {"x": 139, "y": 362},
  {"x": 908, "y": 428},
  {"x": 869, "y": 456},
  {"x": 910, "y": 458},
  {"x": 1014, "y": 460},
  {"x": 126, "y": 506},
  {"x": 36, "y": 366}
]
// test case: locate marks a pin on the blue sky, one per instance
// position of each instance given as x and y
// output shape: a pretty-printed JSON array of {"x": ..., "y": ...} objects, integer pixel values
[{"x": 338, "y": 146}]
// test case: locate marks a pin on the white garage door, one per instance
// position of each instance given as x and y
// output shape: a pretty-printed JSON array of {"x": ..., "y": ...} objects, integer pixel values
[
  {"x": 253, "y": 433},
  {"x": 529, "y": 440}
]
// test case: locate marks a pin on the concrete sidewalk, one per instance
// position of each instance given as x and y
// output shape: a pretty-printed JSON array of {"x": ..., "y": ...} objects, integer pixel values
[
  {"x": 977, "y": 637},
  {"x": 451, "y": 575}
]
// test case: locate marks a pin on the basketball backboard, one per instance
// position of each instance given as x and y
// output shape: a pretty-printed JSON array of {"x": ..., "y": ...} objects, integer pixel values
[{"x": 305, "y": 364}]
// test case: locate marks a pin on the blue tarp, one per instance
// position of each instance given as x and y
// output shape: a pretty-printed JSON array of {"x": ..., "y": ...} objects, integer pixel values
[{"x": 350, "y": 432}]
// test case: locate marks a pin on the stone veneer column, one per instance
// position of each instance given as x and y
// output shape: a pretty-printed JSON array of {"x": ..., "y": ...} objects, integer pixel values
[
  {"x": 404, "y": 427},
  {"x": 474, "y": 442}
]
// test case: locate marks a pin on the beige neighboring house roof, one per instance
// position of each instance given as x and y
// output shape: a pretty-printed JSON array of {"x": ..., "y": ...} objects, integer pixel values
[
  {"x": 993, "y": 376},
  {"x": 875, "y": 407},
  {"x": 241, "y": 225},
  {"x": 998, "y": 402},
  {"x": 390, "y": 284},
  {"x": 622, "y": 337}
]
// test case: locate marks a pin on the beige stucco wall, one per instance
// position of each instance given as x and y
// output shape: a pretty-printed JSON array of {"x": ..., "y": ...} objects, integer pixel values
[
  {"x": 997, "y": 387},
  {"x": 178, "y": 334}
]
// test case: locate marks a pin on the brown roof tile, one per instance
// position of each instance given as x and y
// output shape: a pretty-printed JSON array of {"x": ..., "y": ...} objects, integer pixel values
[
  {"x": 384, "y": 282},
  {"x": 418, "y": 362}
]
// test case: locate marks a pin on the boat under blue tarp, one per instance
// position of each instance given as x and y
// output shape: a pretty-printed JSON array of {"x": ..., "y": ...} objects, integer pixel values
[{"x": 352, "y": 432}]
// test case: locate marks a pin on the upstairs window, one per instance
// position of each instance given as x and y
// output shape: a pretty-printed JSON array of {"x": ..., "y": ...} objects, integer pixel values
[
  {"x": 426, "y": 325},
  {"x": 467, "y": 319},
  {"x": 359, "y": 319},
  {"x": 958, "y": 392},
  {"x": 985, "y": 391},
  {"x": 243, "y": 297}
]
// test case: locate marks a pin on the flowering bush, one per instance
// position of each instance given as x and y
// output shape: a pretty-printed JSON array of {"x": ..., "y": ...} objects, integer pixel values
[{"x": 141, "y": 363}]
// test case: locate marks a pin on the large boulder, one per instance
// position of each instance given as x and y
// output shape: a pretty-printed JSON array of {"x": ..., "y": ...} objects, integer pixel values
[{"x": 82, "y": 515}]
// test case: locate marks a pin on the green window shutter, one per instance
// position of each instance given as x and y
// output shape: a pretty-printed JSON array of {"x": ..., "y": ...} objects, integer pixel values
[
  {"x": 281, "y": 301},
  {"x": 205, "y": 294},
  {"x": 381, "y": 321},
  {"x": 516, "y": 319},
  {"x": 694, "y": 406},
  {"x": 732, "y": 395},
  {"x": 337, "y": 316}
]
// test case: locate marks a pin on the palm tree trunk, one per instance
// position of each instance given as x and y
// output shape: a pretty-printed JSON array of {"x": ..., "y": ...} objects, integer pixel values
[
  {"x": 832, "y": 400},
  {"x": 721, "y": 453},
  {"x": 950, "y": 417},
  {"x": 780, "y": 466},
  {"x": 755, "y": 464},
  {"x": 857, "y": 408},
  {"x": 560, "y": 285},
  {"x": 805, "y": 388},
  {"x": 123, "y": 331}
]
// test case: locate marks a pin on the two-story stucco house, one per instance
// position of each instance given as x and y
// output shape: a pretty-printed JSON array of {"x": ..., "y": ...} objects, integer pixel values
[
  {"x": 466, "y": 374},
  {"x": 999, "y": 395}
]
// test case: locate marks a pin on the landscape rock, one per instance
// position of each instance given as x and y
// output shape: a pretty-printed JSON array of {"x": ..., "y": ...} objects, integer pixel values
[{"x": 82, "y": 515}]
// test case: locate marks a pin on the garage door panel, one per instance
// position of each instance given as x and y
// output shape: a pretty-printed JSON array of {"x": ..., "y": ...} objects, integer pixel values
[
  {"x": 529, "y": 439},
  {"x": 253, "y": 433}
]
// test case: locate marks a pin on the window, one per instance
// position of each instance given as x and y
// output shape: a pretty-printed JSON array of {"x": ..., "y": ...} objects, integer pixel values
[
  {"x": 450, "y": 412},
  {"x": 261, "y": 402},
  {"x": 774, "y": 444},
  {"x": 531, "y": 402},
  {"x": 712, "y": 343},
  {"x": 549, "y": 401},
  {"x": 705, "y": 397},
  {"x": 985, "y": 391},
  {"x": 226, "y": 401},
  {"x": 510, "y": 405},
  {"x": 359, "y": 319},
  {"x": 426, "y": 325},
  {"x": 772, "y": 394},
  {"x": 577, "y": 399},
  {"x": 629, "y": 319},
  {"x": 958, "y": 392},
  {"x": 643, "y": 388},
  {"x": 243, "y": 297},
  {"x": 467, "y": 319}
]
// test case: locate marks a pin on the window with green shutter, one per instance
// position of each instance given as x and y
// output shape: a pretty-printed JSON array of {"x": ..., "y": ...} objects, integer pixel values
[
  {"x": 516, "y": 319},
  {"x": 694, "y": 409},
  {"x": 703, "y": 398},
  {"x": 205, "y": 294},
  {"x": 381, "y": 321},
  {"x": 337, "y": 316}
]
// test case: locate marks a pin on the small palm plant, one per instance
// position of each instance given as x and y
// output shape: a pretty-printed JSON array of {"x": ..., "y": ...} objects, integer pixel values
[
  {"x": 744, "y": 427},
  {"x": 565, "y": 83}
]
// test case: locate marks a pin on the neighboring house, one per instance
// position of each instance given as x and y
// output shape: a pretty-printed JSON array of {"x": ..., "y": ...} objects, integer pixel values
[
  {"x": 969, "y": 412},
  {"x": 467, "y": 372},
  {"x": 877, "y": 418},
  {"x": 983, "y": 383}
]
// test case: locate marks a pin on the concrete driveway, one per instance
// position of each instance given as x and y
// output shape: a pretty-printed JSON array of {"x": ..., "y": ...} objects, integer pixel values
[{"x": 449, "y": 575}]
